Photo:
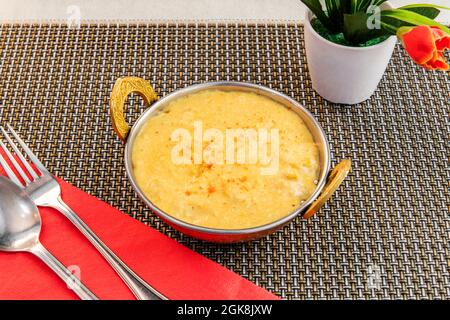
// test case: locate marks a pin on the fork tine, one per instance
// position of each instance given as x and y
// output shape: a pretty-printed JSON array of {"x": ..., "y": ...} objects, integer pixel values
[
  {"x": 19, "y": 154},
  {"x": 30, "y": 154},
  {"x": 9, "y": 172},
  {"x": 15, "y": 164}
]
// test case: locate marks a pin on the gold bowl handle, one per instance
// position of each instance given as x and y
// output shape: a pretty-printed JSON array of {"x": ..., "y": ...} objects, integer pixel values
[
  {"x": 335, "y": 179},
  {"x": 122, "y": 88}
]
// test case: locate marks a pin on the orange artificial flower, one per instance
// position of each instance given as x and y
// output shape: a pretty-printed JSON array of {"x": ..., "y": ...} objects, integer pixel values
[{"x": 426, "y": 45}]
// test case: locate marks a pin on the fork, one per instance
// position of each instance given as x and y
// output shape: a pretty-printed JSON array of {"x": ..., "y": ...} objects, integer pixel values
[{"x": 45, "y": 191}]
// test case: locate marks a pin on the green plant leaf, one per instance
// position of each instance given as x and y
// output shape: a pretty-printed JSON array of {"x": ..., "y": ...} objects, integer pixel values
[
  {"x": 353, "y": 6},
  {"x": 346, "y": 6},
  {"x": 356, "y": 30},
  {"x": 349, "y": 18},
  {"x": 408, "y": 18},
  {"x": 316, "y": 7},
  {"x": 424, "y": 5},
  {"x": 428, "y": 10},
  {"x": 365, "y": 4},
  {"x": 356, "y": 5},
  {"x": 388, "y": 28},
  {"x": 334, "y": 13},
  {"x": 391, "y": 25}
]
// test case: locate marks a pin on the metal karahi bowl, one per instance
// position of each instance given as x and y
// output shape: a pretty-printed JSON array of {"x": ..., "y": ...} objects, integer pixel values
[{"x": 328, "y": 181}]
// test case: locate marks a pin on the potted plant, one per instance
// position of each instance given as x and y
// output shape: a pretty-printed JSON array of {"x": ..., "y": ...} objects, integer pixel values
[{"x": 350, "y": 42}]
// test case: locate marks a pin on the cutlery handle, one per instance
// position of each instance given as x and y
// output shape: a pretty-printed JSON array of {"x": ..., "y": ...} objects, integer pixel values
[
  {"x": 141, "y": 289},
  {"x": 72, "y": 282}
]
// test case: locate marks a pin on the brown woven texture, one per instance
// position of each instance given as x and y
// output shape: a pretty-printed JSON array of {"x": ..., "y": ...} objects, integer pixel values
[{"x": 385, "y": 233}]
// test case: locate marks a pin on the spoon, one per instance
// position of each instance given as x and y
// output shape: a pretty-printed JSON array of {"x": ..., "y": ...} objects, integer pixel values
[{"x": 20, "y": 226}]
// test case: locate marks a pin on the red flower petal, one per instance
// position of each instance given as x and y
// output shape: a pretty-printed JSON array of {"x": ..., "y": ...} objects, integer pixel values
[
  {"x": 419, "y": 43},
  {"x": 442, "y": 39},
  {"x": 439, "y": 62},
  {"x": 442, "y": 44}
]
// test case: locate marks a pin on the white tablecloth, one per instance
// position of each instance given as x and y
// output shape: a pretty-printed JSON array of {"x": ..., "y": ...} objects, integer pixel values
[{"x": 164, "y": 10}]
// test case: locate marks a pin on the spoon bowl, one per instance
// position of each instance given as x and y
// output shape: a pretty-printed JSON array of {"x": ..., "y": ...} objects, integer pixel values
[
  {"x": 20, "y": 222},
  {"x": 20, "y": 226}
]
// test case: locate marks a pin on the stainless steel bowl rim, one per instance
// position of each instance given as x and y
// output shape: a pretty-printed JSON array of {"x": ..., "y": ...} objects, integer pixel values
[{"x": 210, "y": 85}]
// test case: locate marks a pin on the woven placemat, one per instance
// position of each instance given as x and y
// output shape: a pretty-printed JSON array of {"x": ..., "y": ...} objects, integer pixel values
[{"x": 386, "y": 232}]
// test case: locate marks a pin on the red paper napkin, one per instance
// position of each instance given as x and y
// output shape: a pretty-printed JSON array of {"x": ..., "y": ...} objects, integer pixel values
[{"x": 173, "y": 269}]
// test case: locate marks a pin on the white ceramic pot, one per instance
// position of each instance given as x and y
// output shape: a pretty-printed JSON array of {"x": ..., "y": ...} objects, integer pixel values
[{"x": 342, "y": 74}]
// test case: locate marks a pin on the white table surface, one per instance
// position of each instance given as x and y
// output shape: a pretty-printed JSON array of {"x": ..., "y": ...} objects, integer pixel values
[{"x": 166, "y": 10}]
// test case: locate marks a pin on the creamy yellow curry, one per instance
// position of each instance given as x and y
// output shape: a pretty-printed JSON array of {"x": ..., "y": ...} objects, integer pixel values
[{"x": 226, "y": 159}]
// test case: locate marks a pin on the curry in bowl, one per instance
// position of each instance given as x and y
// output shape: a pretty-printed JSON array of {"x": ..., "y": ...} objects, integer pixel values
[{"x": 226, "y": 159}]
